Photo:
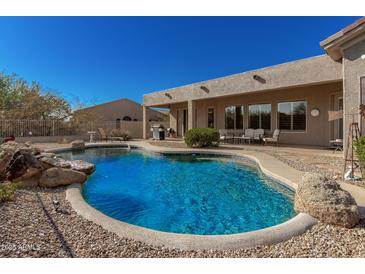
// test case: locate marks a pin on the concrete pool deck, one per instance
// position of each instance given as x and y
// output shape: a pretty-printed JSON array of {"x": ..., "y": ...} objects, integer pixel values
[{"x": 268, "y": 164}]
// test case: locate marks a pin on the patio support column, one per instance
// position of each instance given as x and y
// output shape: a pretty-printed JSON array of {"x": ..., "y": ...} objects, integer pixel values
[
  {"x": 191, "y": 114},
  {"x": 145, "y": 123}
]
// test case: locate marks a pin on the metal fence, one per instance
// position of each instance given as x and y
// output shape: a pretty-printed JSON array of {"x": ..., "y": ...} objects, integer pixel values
[
  {"x": 28, "y": 128},
  {"x": 37, "y": 128}
]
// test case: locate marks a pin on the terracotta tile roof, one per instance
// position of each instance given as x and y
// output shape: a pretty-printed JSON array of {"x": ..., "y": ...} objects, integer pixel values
[{"x": 343, "y": 31}]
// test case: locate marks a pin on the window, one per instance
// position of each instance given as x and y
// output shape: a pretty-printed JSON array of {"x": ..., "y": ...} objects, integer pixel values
[
  {"x": 260, "y": 116},
  {"x": 292, "y": 115},
  {"x": 211, "y": 117},
  {"x": 239, "y": 117},
  {"x": 127, "y": 118},
  {"x": 229, "y": 113},
  {"x": 234, "y": 117}
]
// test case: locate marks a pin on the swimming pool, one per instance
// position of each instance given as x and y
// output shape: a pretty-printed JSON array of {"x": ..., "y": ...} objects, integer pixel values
[{"x": 190, "y": 194}]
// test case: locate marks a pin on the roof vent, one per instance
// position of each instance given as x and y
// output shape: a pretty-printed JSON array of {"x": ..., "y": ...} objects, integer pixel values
[
  {"x": 205, "y": 89},
  {"x": 259, "y": 79},
  {"x": 168, "y": 95}
]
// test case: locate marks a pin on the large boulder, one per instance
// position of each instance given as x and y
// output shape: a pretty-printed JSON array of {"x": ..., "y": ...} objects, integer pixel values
[
  {"x": 78, "y": 145},
  {"x": 30, "y": 178},
  {"x": 7, "y": 151},
  {"x": 325, "y": 200},
  {"x": 49, "y": 162},
  {"x": 82, "y": 166},
  {"x": 15, "y": 160},
  {"x": 56, "y": 176}
]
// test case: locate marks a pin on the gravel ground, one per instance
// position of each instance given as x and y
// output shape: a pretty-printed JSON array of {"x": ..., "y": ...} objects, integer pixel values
[{"x": 31, "y": 227}]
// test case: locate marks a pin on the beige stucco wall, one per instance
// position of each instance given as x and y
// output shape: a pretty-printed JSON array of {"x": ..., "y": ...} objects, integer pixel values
[
  {"x": 318, "y": 128},
  {"x": 353, "y": 69},
  {"x": 309, "y": 71}
]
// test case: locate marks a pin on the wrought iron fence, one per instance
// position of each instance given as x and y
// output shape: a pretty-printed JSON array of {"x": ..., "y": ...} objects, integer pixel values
[{"x": 30, "y": 128}]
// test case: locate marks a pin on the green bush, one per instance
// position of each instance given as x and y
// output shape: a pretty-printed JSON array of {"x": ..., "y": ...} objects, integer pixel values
[
  {"x": 121, "y": 134},
  {"x": 7, "y": 191},
  {"x": 201, "y": 137},
  {"x": 359, "y": 145}
]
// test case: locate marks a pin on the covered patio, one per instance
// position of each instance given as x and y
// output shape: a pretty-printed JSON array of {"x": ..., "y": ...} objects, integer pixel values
[{"x": 294, "y": 97}]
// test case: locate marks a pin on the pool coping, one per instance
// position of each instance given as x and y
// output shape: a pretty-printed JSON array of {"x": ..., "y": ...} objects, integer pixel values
[{"x": 267, "y": 236}]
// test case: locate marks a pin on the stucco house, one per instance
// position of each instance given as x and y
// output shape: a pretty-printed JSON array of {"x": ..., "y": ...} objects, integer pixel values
[
  {"x": 123, "y": 110},
  {"x": 294, "y": 97},
  {"x": 123, "y": 114}
]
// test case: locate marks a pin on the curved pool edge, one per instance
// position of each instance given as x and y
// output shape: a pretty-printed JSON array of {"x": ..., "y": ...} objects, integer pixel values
[
  {"x": 271, "y": 235},
  {"x": 267, "y": 236}
]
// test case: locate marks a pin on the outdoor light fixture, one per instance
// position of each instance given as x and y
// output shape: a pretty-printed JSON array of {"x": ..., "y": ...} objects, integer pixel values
[
  {"x": 315, "y": 112},
  {"x": 363, "y": 57},
  {"x": 259, "y": 78},
  {"x": 205, "y": 89},
  {"x": 168, "y": 95}
]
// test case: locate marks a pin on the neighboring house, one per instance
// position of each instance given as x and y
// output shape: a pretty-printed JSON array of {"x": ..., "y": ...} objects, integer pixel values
[
  {"x": 123, "y": 114},
  {"x": 294, "y": 97},
  {"x": 120, "y": 110}
]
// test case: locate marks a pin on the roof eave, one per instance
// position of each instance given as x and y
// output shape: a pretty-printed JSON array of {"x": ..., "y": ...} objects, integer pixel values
[{"x": 335, "y": 44}]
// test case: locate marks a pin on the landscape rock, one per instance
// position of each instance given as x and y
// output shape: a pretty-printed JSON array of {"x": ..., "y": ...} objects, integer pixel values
[
  {"x": 30, "y": 178},
  {"x": 49, "y": 162},
  {"x": 30, "y": 172},
  {"x": 7, "y": 151},
  {"x": 15, "y": 159},
  {"x": 325, "y": 200},
  {"x": 46, "y": 154},
  {"x": 82, "y": 166},
  {"x": 56, "y": 176},
  {"x": 78, "y": 145},
  {"x": 36, "y": 150},
  {"x": 30, "y": 182}
]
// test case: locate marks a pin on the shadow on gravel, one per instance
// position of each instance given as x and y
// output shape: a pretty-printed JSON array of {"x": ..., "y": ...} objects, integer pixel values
[{"x": 65, "y": 245}]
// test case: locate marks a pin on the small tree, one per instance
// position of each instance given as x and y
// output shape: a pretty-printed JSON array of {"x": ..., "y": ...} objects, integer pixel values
[
  {"x": 21, "y": 100},
  {"x": 359, "y": 145}
]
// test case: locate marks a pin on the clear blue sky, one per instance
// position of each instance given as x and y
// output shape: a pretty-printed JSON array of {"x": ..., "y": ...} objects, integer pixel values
[{"x": 100, "y": 59}]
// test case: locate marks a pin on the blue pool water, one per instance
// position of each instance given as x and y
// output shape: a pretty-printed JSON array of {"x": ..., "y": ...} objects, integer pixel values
[{"x": 184, "y": 194}]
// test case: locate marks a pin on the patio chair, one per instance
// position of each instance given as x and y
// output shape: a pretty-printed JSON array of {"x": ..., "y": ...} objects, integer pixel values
[
  {"x": 258, "y": 134},
  {"x": 247, "y": 136},
  {"x": 224, "y": 136},
  {"x": 337, "y": 145},
  {"x": 273, "y": 139},
  {"x": 107, "y": 138}
]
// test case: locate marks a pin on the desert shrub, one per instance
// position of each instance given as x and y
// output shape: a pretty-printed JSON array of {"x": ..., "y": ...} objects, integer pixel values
[
  {"x": 359, "y": 145},
  {"x": 201, "y": 137},
  {"x": 121, "y": 134},
  {"x": 7, "y": 191}
]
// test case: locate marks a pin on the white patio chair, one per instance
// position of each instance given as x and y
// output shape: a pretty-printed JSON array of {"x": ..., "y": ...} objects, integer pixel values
[
  {"x": 258, "y": 134},
  {"x": 224, "y": 136},
  {"x": 247, "y": 136},
  {"x": 273, "y": 139}
]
